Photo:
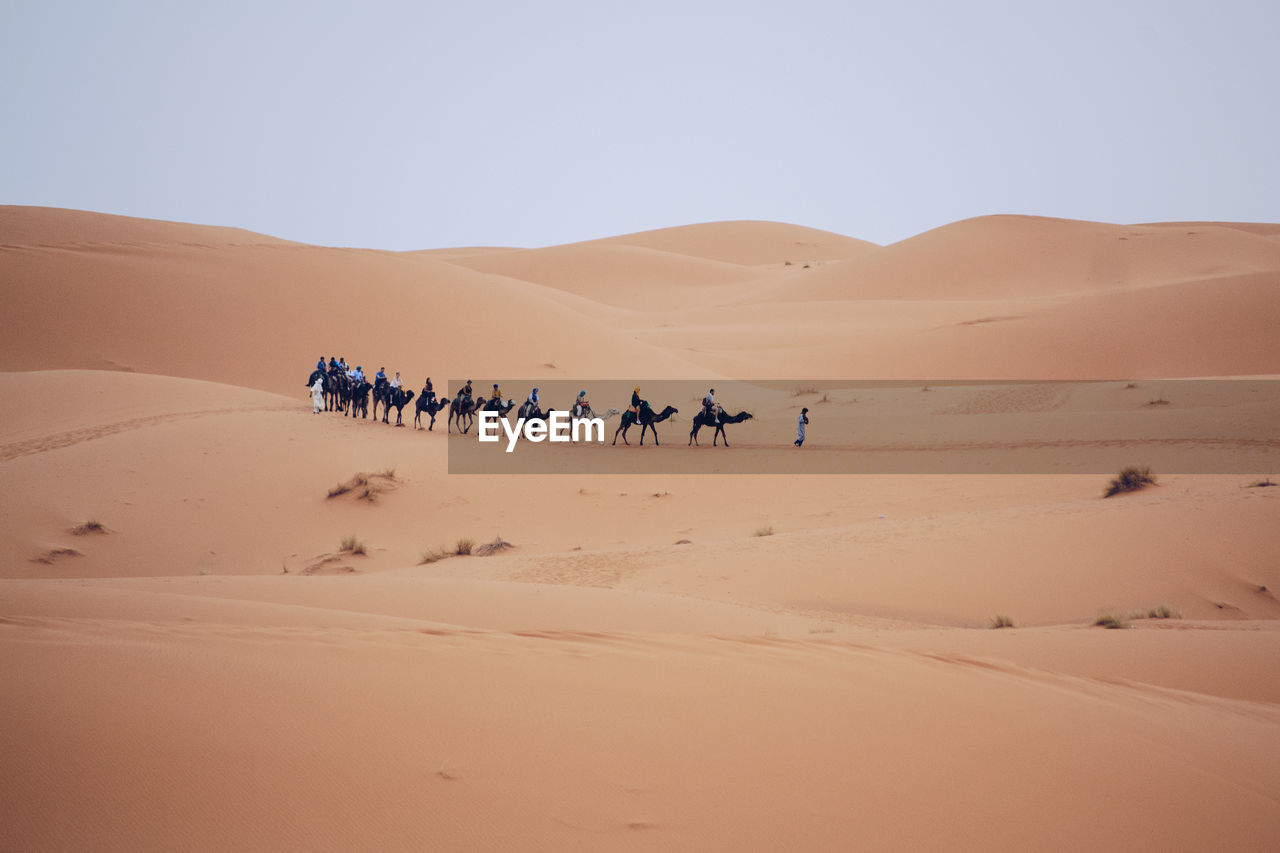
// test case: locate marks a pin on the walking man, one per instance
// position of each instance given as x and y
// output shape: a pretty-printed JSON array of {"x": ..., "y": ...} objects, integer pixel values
[{"x": 800, "y": 425}]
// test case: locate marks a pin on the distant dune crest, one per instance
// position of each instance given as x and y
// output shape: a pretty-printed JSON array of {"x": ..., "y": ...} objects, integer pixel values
[{"x": 1073, "y": 300}]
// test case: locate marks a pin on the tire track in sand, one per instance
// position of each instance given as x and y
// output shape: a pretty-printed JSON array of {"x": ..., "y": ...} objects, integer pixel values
[{"x": 69, "y": 438}]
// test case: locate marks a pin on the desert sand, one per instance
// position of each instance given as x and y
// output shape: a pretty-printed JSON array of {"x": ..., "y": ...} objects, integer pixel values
[{"x": 663, "y": 661}]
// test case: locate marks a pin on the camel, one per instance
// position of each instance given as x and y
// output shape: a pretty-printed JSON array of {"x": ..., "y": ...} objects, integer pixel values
[
  {"x": 432, "y": 406},
  {"x": 496, "y": 406},
  {"x": 647, "y": 419},
  {"x": 532, "y": 412},
  {"x": 337, "y": 391},
  {"x": 700, "y": 420},
  {"x": 462, "y": 407},
  {"x": 459, "y": 409},
  {"x": 360, "y": 399},
  {"x": 400, "y": 398},
  {"x": 382, "y": 394}
]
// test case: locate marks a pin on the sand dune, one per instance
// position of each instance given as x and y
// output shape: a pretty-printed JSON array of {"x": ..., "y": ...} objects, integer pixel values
[
  {"x": 664, "y": 661},
  {"x": 748, "y": 243}
]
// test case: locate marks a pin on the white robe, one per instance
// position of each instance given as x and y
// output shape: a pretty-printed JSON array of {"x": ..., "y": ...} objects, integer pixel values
[{"x": 317, "y": 396}]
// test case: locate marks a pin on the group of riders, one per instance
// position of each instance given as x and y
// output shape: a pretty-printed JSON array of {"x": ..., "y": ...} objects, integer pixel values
[{"x": 335, "y": 383}]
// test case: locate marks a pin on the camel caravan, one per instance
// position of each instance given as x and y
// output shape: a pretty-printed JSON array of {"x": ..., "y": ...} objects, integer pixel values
[{"x": 337, "y": 387}]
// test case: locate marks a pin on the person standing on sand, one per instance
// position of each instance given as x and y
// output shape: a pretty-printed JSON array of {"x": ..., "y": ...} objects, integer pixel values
[
  {"x": 317, "y": 396},
  {"x": 800, "y": 424}
]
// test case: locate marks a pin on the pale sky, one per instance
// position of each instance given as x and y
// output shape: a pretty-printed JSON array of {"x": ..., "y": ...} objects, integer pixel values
[{"x": 425, "y": 124}]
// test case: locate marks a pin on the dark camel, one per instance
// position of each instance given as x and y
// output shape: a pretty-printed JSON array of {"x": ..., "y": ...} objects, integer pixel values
[
  {"x": 360, "y": 399},
  {"x": 647, "y": 419},
  {"x": 400, "y": 398},
  {"x": 462, "y": 407},
  {"x": 700, "y": 420},
  {"x": 432, "y": 406}
]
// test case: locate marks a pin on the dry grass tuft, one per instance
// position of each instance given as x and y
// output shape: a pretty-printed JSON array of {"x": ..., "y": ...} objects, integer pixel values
[
  {"x": 1261, "y": 484},
  {"x": 1110, "y": 620},
  {"x": 366, "y": 486},
  {"x": 350, "y": 544},
  {"x": 90, "y": 526},
  {"x": 765, "y": 530},
  {"x": 488, "y": 549},
  {"x": 1130, "y": 479},
  {"x": 1001, "y": 620},
  {"x": 1160, "y": 611},
  {"x": 434, "y": 555},
  {"x": 1159, "y": 401},
  {"x": 463, "y": 547},
  {"x": 54, "y": 553}
]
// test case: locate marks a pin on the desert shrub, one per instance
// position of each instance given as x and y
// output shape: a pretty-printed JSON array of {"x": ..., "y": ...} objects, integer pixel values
[
  {"x": 1110, "y": 620},
  {"x": 54, "y": 553},
  {"x": 433, "y": 555},
  {"x": 358, "y": 481},
  {"x": 90, "y": 526},
  {"x": 1001, "y": 620},
  {"x": 463, "y": 547},
  {"x": 1130, "y": 479},
  {"x": 365, "y": 487},
  {"x": 351, "y": 544},
  {"x": 488, "y": 549},
  {"x": 765, "y": 530},
  {"x": 1160, "y": 611}
]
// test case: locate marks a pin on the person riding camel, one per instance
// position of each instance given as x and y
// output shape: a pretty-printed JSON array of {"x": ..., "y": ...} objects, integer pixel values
[
  {"x": 358, "y": 374},
  {"x": 320, "y": 364},
  {"x": 496, "y": 395},
  {"x": 532, "y": 401},
  {"x": 342, "y": 363},
  {"x": 397, "y": 381},
  {"x": 428, "y": 391},
  {"x": 635, "y": 402},
  {"x": 581, "y": 405},
  {"x": 709, "y": 407},
  {"x": 465, "y": 393},
  {"x": 380, "y": 378}
]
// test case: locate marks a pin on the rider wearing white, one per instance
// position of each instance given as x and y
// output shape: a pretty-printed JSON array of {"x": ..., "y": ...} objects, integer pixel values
[
  {"x": 397, "y": 382},
  {"x": 581, "y": 403},
  {"x": 709, "y": 406}
]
